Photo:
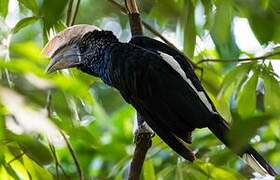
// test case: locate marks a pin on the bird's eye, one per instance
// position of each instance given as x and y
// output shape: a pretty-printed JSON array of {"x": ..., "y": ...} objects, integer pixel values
[{"x": 83, "y": 48}]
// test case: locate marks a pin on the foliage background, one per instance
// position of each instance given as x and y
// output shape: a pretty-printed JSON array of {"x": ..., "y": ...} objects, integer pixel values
[{"x": 98, "y": 125}]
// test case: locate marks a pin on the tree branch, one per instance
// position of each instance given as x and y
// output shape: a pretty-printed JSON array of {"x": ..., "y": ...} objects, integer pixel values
[
  {"x": 72, "y": 14},
  {"x": 75, "y": 12},
  {"x": 152, "y": 30},
  {"x": 264, "y": 57},
  {"x": 143, "y": 134},
  {"x": 69, "y": 12},
  {"x": 16, "y": 158},
  {"x": 74, "y": 156}
]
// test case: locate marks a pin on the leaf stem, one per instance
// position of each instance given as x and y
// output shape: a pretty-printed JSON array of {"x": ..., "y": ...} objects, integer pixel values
[
  {"x": 75, "y": 12},
  {"x": 154, "y": 31},
  {"x": 69, "y": 12},
  {"x": 143, "y": 135},
  {"x": 74, "y": 156},
  {"x": 264, "y": 57},
  {"x": 16, "y": 158}
]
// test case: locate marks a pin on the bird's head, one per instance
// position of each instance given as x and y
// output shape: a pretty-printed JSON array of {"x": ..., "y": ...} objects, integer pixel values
[{"x": 76, "y": 46}]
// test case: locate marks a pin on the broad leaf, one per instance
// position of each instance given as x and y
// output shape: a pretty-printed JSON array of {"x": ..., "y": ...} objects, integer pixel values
[
  {"x": 51, "y": 11},
  {"x": 34, "y": 149},
  {"x": 189, "y": 29},
  {"x": 221, "y": 31},
  {"x": 30, "y": 4},
  {"x": 246, "y": 101},
  {"x": 4, "y": 4},
  {"x": 248, "y": 127},
  {"x": 149, "y": 172},
  {"x": 24, "y": 22}
]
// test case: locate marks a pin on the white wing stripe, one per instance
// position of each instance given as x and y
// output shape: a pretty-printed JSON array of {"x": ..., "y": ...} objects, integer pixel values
[
  {"x": 254, "y": 164},
  {"x": 176, "y": 66}
]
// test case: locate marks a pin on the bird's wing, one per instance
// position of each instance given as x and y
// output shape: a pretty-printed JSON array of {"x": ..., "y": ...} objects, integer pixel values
[
  {"x": 155, "y": 84},
  {"x": 217, "y": 125},
  {"x": 160, "y": 90},
  {"x": 157, "y": 46}
]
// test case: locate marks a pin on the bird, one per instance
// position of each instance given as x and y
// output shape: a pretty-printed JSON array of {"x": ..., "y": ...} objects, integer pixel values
[{"x": 154, "y": 78}]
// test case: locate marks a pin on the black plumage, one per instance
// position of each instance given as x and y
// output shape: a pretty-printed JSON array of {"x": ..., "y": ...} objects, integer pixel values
[{"x": 161, "y": 85}]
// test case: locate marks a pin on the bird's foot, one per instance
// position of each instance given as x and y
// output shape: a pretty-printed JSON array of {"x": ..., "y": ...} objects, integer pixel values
[{"x": 143, "y": 131}]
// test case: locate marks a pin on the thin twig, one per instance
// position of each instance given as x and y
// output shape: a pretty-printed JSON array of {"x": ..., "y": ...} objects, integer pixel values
[
  {"x": 74, "y": 156},
  {"x": 52, "y": 148},
  {"x": 156, "y": 33},
  {"x": 69, "y": 12},
  {"x": 264, "y": 57},
  {"x": 58, "y": 165},
  {"x": 143, "y": 135},
  {"x": 16, "y": 158},
  {"x": 75, "y": 13}
]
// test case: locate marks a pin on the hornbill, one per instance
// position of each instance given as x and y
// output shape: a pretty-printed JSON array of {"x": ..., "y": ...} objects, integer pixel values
[{"x": 154, "y": 78}]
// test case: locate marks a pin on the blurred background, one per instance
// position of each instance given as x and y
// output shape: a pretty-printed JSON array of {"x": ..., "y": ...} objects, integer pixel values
[{"x": 57, "y": 126}]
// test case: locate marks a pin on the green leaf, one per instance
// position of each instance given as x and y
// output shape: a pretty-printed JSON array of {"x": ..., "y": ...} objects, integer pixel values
[
  {"x": 276, "y": 52},
  {"x": 59, "y": 26},
  {"x": 52, "y": 11},
  {"x": 272, "y": 91},
  {"x": 189, "y": 29},
  {"x": 259, "y": 21},
  {"x": 221, "y": 31},
  {"x": 11, "y": 171},
  {"x": 30, "y": 4},
  {"x": 4, "y": 5},
  {"x": 214, "y": 172},
  {"x": 168, "y": 8},
  {"x": 84, "y": 135},
  {"x": 149, "y": 171},
  {"x": 246, "y": 101},
  {"x": 36, "y": 171},
  {"x": 24, "y": 22},
  {"x": 236, "y": 75},
  {"x": 208, "y": 6},
  {"x": 34, "y": 149},
  {"x": 164, "y": 173},
  {"x": 248, "y": 127}
]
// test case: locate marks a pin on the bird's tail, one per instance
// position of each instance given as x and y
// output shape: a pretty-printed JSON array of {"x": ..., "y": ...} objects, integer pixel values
[{"x": 220, "y": 128}]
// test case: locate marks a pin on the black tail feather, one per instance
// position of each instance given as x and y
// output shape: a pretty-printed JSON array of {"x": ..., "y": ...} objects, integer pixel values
[
  {"x": 172, "y": 140},
  {"x": 220, "y": 128}
]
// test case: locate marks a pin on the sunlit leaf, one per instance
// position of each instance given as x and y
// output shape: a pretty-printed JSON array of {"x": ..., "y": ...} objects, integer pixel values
[
  {"x": 11, "y": 172},
  {"x": 164, "y": 173},
  {"x": 236, "y": 75},
  {"x": 36, "y": 171},
  {"x": 272, "y": 91},
  {"x": 52, "y": 11},
  {"x": 24, "y": 22},
  {"x": 30, "y": 4},
  {"x": 148, "y": 170},
  {"x": 83, "y": 135},
  {"x": 34, "y": 149},
  {"x": 246, "y": 101},
  {"x": 189, "y": 29},
  {"x": 216, "y": 172},
  {"x": 221, "y": 31},
  {"x": 248, "y": 127},
  {"x": 4, "y": 4}
]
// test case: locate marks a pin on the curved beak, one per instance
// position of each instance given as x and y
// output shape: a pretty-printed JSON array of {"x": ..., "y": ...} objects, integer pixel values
[{"x": 64, "y": 58}]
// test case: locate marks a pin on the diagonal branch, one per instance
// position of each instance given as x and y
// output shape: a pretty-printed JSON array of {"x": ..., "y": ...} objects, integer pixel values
[
  {"x": 74, "y": 156},
  {"x": 264, "y": 57},
  {"x": 152, "y": 30},
  {"x": 72, "y": 12},
  {"x": 143, "y": 135}
]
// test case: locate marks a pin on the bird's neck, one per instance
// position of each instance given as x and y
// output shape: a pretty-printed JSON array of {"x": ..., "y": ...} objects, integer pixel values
[{"x": 98, "y": 60}]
